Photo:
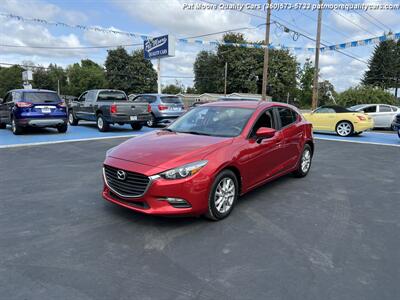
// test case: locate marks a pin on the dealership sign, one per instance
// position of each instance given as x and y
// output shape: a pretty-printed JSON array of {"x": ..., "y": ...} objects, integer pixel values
[{"x": 158, "y": 47}]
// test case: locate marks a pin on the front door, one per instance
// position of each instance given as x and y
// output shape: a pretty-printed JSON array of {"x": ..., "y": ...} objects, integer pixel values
[{"x": 261, "y": 158}]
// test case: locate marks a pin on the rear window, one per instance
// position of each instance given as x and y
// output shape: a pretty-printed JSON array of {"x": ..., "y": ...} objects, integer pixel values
[
  {"x": 171, "y": 99},
  {"x": 41, "y": 97},
  {"x": 112, "y": 96}
]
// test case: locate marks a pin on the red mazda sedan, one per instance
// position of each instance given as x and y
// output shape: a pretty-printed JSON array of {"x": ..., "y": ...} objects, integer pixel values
[{"x": 207, "y": 158}]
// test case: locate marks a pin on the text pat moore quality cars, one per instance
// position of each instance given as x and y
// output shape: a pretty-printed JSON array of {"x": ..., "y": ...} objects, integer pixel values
[{"x": 202, "y": 162}]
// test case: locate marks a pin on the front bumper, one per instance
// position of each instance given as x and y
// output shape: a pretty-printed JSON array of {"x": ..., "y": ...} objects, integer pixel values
[
  {"x": 36, "y": 122},
  {"x": 194, "y": 190}
]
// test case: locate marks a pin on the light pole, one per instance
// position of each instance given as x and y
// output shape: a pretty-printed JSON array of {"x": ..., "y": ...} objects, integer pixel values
[
  {"x": 317, "y": 50},
  {"x": 266, "y": 53}
]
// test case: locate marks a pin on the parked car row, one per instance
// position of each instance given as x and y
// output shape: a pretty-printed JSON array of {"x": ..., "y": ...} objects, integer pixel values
[{"x": 23, "y": 108}]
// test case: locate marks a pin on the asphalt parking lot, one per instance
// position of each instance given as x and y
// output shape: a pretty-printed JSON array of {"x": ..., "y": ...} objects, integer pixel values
[{"x": 332, "y": 235}]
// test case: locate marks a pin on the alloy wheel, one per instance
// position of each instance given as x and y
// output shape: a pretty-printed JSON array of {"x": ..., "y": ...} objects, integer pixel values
[
  {"x": 100, "y": 122},
  {"x": 306, "y": 161},
  {"x": 344, "y": 129},
  {"x": 224, "y": 195},
  {"x": 71, "y": 118}
]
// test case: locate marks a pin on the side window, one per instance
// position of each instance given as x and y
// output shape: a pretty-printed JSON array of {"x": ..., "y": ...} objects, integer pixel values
[
  {"x": 91, "y": 96},
  {"x": 384, "y": 108},
  {"x": 82, "y": 98},
  {"x": 287, "y": 116},
  {"x": 7, "y": 98},
  {"x": 370, "y": 109},
  {"x": 17, "y": 96},
  {"x": 266, "y": 119},
  {"x": 324, "y": 110}
]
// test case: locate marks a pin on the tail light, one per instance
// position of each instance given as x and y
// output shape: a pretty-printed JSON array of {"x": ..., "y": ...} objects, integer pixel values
[
  {"x": 361, "y": 118},
  {"x": 162, "y": 107},
  {"x": 24, "y": 104},
  {"x": 148, "y": 108},
  {"x": 113, "y": 108}
]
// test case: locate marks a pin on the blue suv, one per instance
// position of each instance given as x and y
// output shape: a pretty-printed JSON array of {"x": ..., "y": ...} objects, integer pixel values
[{"x": 33, "y": 108}]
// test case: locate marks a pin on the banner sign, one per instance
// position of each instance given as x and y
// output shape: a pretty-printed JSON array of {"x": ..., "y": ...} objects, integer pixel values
[{"x": 158, "y": 47}]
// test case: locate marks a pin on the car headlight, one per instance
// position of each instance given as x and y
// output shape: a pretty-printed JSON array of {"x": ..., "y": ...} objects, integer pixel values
[{"x": 184, "y": 171}]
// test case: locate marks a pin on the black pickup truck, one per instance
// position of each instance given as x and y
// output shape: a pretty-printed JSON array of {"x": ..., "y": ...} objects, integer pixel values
[{"x": 107, "y": 107}]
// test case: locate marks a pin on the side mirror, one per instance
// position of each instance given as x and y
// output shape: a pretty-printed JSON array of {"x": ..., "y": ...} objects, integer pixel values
[{"x": 265, "y": 133}]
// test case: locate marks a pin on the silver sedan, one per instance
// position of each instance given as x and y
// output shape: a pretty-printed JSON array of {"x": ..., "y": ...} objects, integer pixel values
[{"x": 383, "y": 114}]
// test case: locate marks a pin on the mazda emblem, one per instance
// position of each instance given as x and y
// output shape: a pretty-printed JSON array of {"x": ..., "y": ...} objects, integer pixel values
[{"x": 121, "y": 175}]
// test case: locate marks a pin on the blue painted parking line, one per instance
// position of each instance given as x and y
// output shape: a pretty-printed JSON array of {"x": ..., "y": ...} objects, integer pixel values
[
  {"x": 374, "y": 138},
  {"x": 82, "y": 132}
]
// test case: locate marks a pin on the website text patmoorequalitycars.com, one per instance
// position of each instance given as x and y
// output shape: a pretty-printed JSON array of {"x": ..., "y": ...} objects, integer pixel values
[{"x": 290, "y": 6}]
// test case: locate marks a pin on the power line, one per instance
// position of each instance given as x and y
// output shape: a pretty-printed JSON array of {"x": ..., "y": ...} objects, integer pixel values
[
  {"x": 302, "y": 34},
  {"x": 352, "y": 22},
  {"x": 372, "y": 17}
]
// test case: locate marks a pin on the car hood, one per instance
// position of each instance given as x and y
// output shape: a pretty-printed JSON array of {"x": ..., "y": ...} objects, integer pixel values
[{"x": 166, "y": 150}]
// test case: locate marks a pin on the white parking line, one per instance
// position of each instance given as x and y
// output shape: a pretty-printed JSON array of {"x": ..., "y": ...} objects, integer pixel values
[
  {"x": 66, "y": 141},
  {"x": 356, "y": 142}
]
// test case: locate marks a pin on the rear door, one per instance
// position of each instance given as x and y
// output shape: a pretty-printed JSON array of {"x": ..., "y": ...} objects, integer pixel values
[
  {"x": 292, "y": 131},
  {"x": 385, "y": 116}
]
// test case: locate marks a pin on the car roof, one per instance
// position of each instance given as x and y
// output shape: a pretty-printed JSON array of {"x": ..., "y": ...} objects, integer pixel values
[
  {"x": 32, "y": 90},
  {"x": 247, "y": 104}
]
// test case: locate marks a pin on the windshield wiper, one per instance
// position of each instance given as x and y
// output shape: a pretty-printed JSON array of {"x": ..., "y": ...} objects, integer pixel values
[
  {"x": 196, "y": 132},
  {"x": 167, "y": 129}
]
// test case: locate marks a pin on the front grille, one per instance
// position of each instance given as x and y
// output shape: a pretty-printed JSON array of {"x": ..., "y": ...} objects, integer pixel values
[{"x": 134, "y": 185}]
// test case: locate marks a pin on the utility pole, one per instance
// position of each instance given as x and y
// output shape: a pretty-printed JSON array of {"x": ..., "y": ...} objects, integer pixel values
[
  {"x": 317, "y": 50},
  {"x": 226, "y": 76},
  {"x": 158, "y": 76},
  {"x": 266, "y": 53}
]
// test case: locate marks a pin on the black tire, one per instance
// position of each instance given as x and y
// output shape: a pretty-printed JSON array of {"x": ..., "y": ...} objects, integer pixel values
[
  {"x": 72, "y": 120},
  {"x": 152, "y": 122},
  {"x": 344, "y": 128},
  {"x": 215, "y": 213},
  {"x": 302, "y": 170},
  {"x": 15, "y": 128},
  {"x": 102, "y": 125},
  {"x": 136, "y": 126},
  {"x": 3, "y": 125},
  {"x": 62, "y": 128}
]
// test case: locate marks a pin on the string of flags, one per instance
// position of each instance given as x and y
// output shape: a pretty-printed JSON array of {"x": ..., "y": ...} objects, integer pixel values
[{"x": 363, "y": 42}]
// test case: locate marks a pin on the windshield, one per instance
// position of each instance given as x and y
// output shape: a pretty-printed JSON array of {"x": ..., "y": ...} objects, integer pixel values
[
  {"x": 171, "y": 99},
  {"x": 41, "y": 97},
  {"x": 213, "y": 120},
  {"x": 112, "y": 96}
]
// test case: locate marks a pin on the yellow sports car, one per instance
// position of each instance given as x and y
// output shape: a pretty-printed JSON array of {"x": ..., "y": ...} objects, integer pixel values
[{"x": 338, "y": 119}]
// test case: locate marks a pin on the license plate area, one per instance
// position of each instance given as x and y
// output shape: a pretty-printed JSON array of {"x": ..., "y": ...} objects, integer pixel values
[{"x": 133, "y": 118}]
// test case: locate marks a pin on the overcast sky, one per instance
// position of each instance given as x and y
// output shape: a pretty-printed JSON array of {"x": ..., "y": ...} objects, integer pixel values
[{"x": 156, "y": 17}]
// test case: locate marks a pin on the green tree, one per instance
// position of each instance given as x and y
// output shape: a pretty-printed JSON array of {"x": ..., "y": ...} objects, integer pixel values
[
  {"x": 384, "y": 66},
  {"x": 173, "y": 89},
  {"x": 245, "y": 70},
  {"x": 191, "y": 90},
  {"x": 364, "y": 94},
  {"x": 306, "y": 76},
  {"x": 10, "y": 78},
  {"x": 50, "y": 78},
  {"x": 84, "y": 76},
  {"x": 326, "y": 93},
  {"x": 130, "y": 73},
  {"x": 207, "y": 73}
]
